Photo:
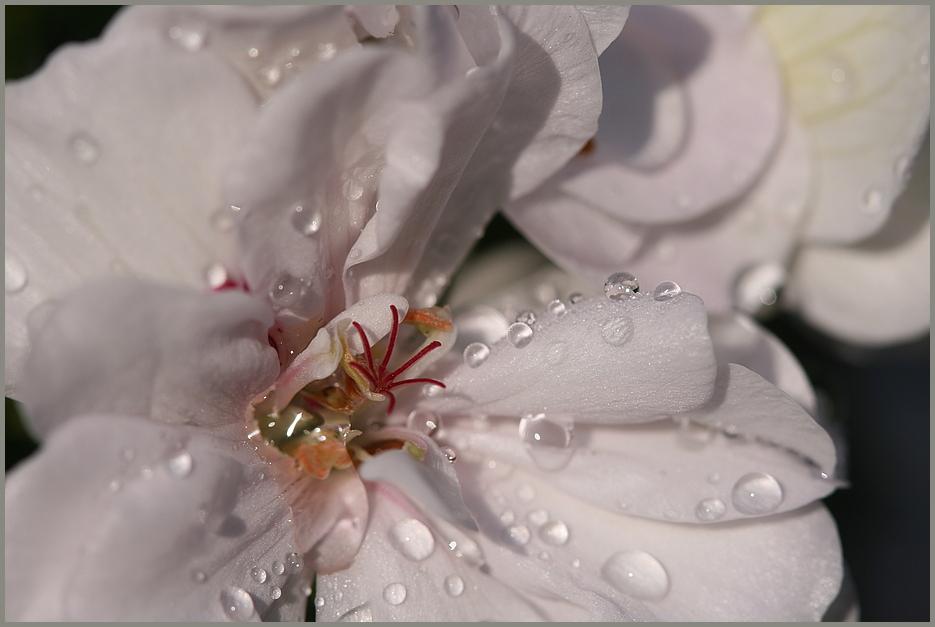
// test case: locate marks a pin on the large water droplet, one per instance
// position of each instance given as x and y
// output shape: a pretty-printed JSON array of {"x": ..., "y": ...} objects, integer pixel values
[
  {"x": 423, "y": 421},
  {"x": 237, "y": 604},
  {"x": 454, "y": 585},
  {"x": 84, "y": 148},
  {"x": 756, "y": 493},
  {"x": 319, "y": 602},
  {"x": 189, "y": 39},
  {"x": 413, "y": 539},
  {"x": 394, "y": 594},
  {"x": 306, "y": 220},
  {"x": 636, "y": 573},
  {"x": 710, "y": 509},
  {"x": 666, "y": 290},
  {"x": 15, "y": 274},
  {"x": 180, "y": 466},
  {"x": 617, "y": 331},
  {"x": 872, "y": 201},
  {"x": 278, "y": 568},
  {"x": 547, "y": 439},
  {"x": 620, "y": 286},
  {"x": 528, "y": 317},
  {"x": 258, "y": 574},
  {"x": 519, "y": 334},
  {"x": 517, "y": 535},
  {"x": 475, "y": 354},
  {"x": 360, "y": 614},
  {"x": 286, "y": 291},
  {"x": 556, "y": 308},
  {"x": 554, "y": 533}
]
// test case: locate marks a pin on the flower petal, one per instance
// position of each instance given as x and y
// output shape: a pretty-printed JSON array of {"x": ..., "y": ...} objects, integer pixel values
[
  {"x": 601, "y": 361},
  {"x": 125, "y": 346},
  {"x": 858, "y": 78},
  {"x": 107, "y": 494},
  {"x": 604, "y": 22}
]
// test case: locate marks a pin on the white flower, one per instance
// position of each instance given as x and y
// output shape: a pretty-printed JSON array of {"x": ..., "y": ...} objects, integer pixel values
[{"x": 743, "y": 151}]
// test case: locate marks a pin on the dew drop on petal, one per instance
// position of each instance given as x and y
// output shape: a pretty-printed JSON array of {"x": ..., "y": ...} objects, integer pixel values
[
  {"x": 519, "y": 334},
  {"x": 710, "y": 509},
  {"x": 84, "y": 148},
  {"x": 258, "y": 574},
  {"x": 528, "y": 317},
  {"x": 556, "y": 308},
  {"x": 294, "y": 563},
  {"x": 253, "y": 53},
  {"x": 507, "y": 517},
  {"x": 547, "y": 439},
  {"x": 114, "y": 486},
  {"x": 450, "y": 454},
  {"x": 199, "y": 576},
  {"x": 475, "y": 354},
  {"x": 278, "y": 568},
  {"x": 286, "y": 291},
  {"x": 756, "y": 493},
  {"x": 714, "y": 478},
  {"x": 525, "y": 493},
  {"x": 576, "y": 563},
  {"x": 693, "y": 434},
  {"x": 454, "y": 585},
  {"x": 872, "y": 201},
  {"x": 189, "y": 39},
  {"x": 555, "y": 352},
  {"x": 306, "y": 220},
  {"x": 353, "y": 189},
  {"x": 617, "y": 331},
  {"x": 554, "y": 533},
  {"x": 180, "y": 466},
  {"x": 517, "y": 535},
  {"x": 237, "y": 604},
  {"x": 575, "y": 297},
  {"x": 537, "y": 517},
  {"x": 319, "y": 602},
  {"x": 275, "y": 592},
  {"x": 667, "y": 290},
  {"x": 413, "y": 539},
  {"x": 394, "y": 594},
  {"x": 423, "y": 421},
  {"x": 360, "y": 614},
  {"x": 620, "y": 286},
  {"x": 15, "y": 273},
  {"x": 637, "y": 574}
]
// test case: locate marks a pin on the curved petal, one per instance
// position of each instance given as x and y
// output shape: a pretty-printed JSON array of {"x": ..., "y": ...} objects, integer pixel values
[
  {"x": 604, "y": 22},
  {"x": 124, "y": 346},
  {"x": 121, "y": 518},
  {"x": 114, "y": 156},
  {"x": 825, "y": 283},
  {"x": 785, "y": 567},
  {"x": 671, "y": 72},
  {"x": 858, "y": 78},
  {"x": 599, "y": 360}
]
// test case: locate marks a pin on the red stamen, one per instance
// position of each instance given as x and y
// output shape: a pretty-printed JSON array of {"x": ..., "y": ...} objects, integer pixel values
[
  {"x": 392, "y": 343},
  {"x": 417, "y": 357},
  {"x": 366, "y": 343}
]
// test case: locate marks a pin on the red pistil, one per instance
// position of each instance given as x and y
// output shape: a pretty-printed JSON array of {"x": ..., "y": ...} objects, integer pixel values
[{"x": 381, "y": 381}]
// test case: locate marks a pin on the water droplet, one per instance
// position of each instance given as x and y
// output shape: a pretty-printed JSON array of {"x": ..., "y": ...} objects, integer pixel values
[
  {"x": 475, "y": 354},
  {"x": 507, "y": 517},
  {"x": 354, "y": 255},
  {"x": 537, "y": 517},
  {"x": 872, "y": 201},
  {"x": 554, "y": 533},
  {"x": 517, "y": 535},
  {"x": 16, "y": 277},
  {"x": 528, "y": 317},
  {"x": 838, "y": 75},
  {"x": 199, "y": 576},
  {"x": 715, "y": 478},
  {"x": 423, "y": 421},
  {"x": 449, "y": 453},
  {"x": 617, "y": 331},
  {"x": 576, "y": 563},
  {"x": 253, "y": 53},
  {"x": 319, "y": 602},
  {"x": 237, "y": 604},
  {"x": 258, "y": 574},
  {"x": 666, "y": 290},
  {"x": 454, "y": 585},
  {"x": 519, "y": 334},
  {"x": 294, "y": 563},
  {"x": 191, "y": 40},
  {"x": 710, "y": 509},
  {"x": 278, "y": 568},
  {"x": 758, "y": 286},
  {"x": 547, "y": 439},
  {"x": 636, "y": 573},
  {"x": 360, "y": 614},
  {"x": 556, "y": 308},
  {"x": 114, "y": 486},
  {"x": 286, "y": 291},
  {"x": 693, "y": 434},
  {"x": 525, "y": 493},
  {"x": 353, "y": 189},
  {"x": 271, "y": 75},
  {"x": 394, "y": 594},
  {"x": 620, "y": 286},
  {"x": 555, "y": 353},
  {"x": 413, "y": 539},
  {"x": 306, "y": 220},
  {"x": 180, "y": 466},
  {"x": 756, "y": 493},
  {"x": 84, "y": 148},
  {"x": 575, "y": 297},
  {"x": 275, "y": 592}
]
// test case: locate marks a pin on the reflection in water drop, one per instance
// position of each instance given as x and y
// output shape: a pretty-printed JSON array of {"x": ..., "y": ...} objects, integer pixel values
[
  {"x": 413, "y": 539},
  {"x": 237, "y": 604},
  {"x": 454, "y": 585},
  {"x": 621, "y": 286},
  {"x": 547, "y": 439},
  {"x": 519, "y": 334},
  {"x": 394, "y": 594},
  {"x": 710, "y": 509},
  {"x": 636, "y": 573},
  {"x": 756, "y": 493},
  {"x": 475, "y": 354}
]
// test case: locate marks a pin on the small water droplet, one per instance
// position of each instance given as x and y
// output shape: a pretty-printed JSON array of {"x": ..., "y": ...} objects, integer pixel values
[
  {"x": 114, "y": 486},
  {"x": 517, "y": 535},
  {"x": 555, "y": 353},
  {"x": 537, "y": 517},
  {"x": 253, "y": 53},
  {"x": 271, "y": 75},
  {"x": 275, "y": 592},
  {"x": 353, "y": 189},
  {"x": 710, "y": 509},
  {"x": 360, "y": 614},
  {"x": 507, "y": 517},
  {"x": 714, "y": 478},
  {"x": 278, "y": 568},
  {"x": 286, "y": 291},
  {"x": 413, "y": 539},
  {"x": 872, "y": 201},
  {"x": 838, "y": 75},
  {"x": 758, "y": 286},
  {"x": 617, "y": 331},
  {"x": 528, "y": 317},
  {"x": 519, "y": 334},
  {"x": 199, "y": 576},
  {"x": 756, "y": 493},
  {"x": 576, "y": 563},
  {"x": 394, "y": 594},
  {"x": 547, "y": 439},
  {"x": 449, "y": 453},
  {"x": 15, "y": 273},
  {"x": 556, "y": 308},
  {"x": 575, "y": 297},
  {"x": 189, "y": 39},
  {"x": 454, "y": 585},
  {"x": 423, "y": 421},
  {"x": 258, "y": 574},
  {"x": 319, "y": 602},
  {"x": 620, "y": 286},
  {"x": 637, "y": 574},
  {"x": 84, "y": 148},
  {"x": 475, "y": 354},
  {"x": 307, "y": 590},
  {"x": 354, "y": 254},
  {"x": 180, "y": 466},
  {"x": 294, "y": 563},
  {"x": 306, "y": 220},
  {"x": 693, "y": 434},
  {"x": 525, "y": 493},
  {"x": 237, "y": 604},
  {"x": 667, "y": 290},
  {"x": 216, "y": 275},
  {"x": 555, "y": 533}
]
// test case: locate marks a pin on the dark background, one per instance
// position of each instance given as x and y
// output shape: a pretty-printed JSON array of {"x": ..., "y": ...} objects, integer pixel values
[{"x": 879, "y": 398}]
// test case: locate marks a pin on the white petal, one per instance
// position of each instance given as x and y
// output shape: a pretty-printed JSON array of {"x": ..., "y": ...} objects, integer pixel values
[
  {"x": 604, "y": 22},
  {"x": 705, "y": 152},
  {"x": 876, "y": 292},
  {"x": 601, "y": 361},
  {"x": 120, "y": 518},
  {"x": 129, "y": 347},
  {"x": 405, "y": 571},
  {"x": 376, "y": 21},
  {"x": 114, "y": 156},
  {"x": 785, "y": 567},
  {"x": 858, "y": 78}
]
